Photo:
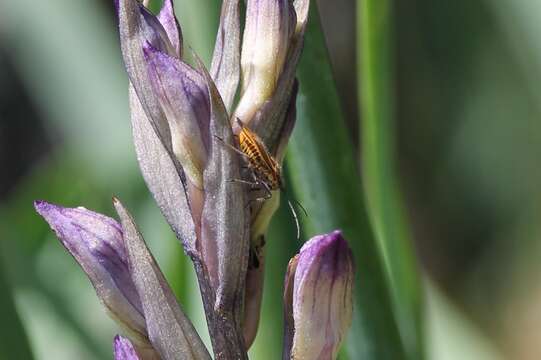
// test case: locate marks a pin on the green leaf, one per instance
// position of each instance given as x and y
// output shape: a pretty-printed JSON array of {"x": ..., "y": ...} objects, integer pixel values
[
  {"x": 324, "y": 177},
  {"x": 13, "y": 340},
  {"x": 386, "y": 211}
]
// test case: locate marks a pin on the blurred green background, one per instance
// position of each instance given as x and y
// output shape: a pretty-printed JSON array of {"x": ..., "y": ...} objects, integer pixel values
[{"x": 466, "y": 81}]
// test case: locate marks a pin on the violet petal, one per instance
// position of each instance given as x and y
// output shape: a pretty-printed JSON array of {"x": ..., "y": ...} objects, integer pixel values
[
  {"x": 96, "y": 243},
  {"x": 225, "y": 68},
  {"x": 170, "y": 24},
  {"x": 169, "y": 330},
  {"x": 123, "y": 349}
]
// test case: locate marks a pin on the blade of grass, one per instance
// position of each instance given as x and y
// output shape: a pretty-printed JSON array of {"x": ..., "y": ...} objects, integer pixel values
[
  {"x": 386, "y": 211},
  {"x": 324, "y": 177}
]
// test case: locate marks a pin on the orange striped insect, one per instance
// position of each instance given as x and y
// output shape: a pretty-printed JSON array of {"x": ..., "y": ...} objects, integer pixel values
[
  {"x": 267, "y": 175},
  {"x": 266, "y": 169}
]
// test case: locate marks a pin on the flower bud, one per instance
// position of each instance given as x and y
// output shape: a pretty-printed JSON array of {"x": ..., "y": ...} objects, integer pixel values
[
  {"x": 318, "y": 298},
  {"x": 183, "y": 96},
  {"x": 124, "y": 349},
  {"x": 269, "y": 25},
  {"x": 96, "y": 243}
]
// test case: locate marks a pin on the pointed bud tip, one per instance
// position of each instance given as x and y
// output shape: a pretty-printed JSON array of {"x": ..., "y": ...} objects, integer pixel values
[
  {"x": 322, "y": 242},
  {"x": 330, "y": 250},
  {"x": 53, "y": 213},
  {"x": 124, "y": 349},
  {"x": 41, "y": 206}
]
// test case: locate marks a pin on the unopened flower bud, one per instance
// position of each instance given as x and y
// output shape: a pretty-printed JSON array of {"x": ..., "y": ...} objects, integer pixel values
[
  {"x": 96, "y": 243},
  {"x": 269, "y": 25},
  {"x": 124, "y": 349},
  {"x": 318, "y": 298},
  {"x": 183, "y": 96}
]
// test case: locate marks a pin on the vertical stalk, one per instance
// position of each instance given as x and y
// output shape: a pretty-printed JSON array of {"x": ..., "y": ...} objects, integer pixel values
[
  {"x": 225, "y": 332},
  {"x": 375, "y": 82}
]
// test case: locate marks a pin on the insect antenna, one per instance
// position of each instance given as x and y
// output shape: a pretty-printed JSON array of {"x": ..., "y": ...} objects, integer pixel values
[
  {"x": 299, "y": 205},
  {"x": 296, "y": 218},
  {"x": 290, "y": 203}
]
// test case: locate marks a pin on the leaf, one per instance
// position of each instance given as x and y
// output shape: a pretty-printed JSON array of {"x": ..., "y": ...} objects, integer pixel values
[
  {"x": 379, "y": 168},
  {"x": 324, "y": 177}
]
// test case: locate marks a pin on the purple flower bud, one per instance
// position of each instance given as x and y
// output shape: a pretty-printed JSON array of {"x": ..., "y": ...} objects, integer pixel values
[
  {"x": 138, "y": 27},
  {"x": 96, "y": 243},
  {"x": 124, "y": 349},
  {"x": 269, "y": 26},
  {"x": 318, "y": 298},
  {"x": 183, "y": 96}
]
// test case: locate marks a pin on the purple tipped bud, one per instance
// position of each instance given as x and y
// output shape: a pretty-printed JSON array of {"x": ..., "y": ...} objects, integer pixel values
[
  {"x": 124, "y": 349},
  {"x": 96, "y": 243},
  {"x": 183, "y": 96},
  {"x": 170, "y": 24},
  {"x": 318, "y": 298},
  {"x": 151, "y": 28},
  {"x": 269, "y": 25}
]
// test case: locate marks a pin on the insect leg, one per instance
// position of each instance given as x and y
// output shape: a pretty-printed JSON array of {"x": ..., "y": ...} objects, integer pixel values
[
  {"x": 231, "y": 147},
  {"x": 240, "y": 181},
  {"x": 266, "y": 187}
]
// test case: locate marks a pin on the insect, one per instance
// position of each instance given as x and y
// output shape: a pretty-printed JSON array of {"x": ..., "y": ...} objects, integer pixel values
[{"x": 266, "y": 171}]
